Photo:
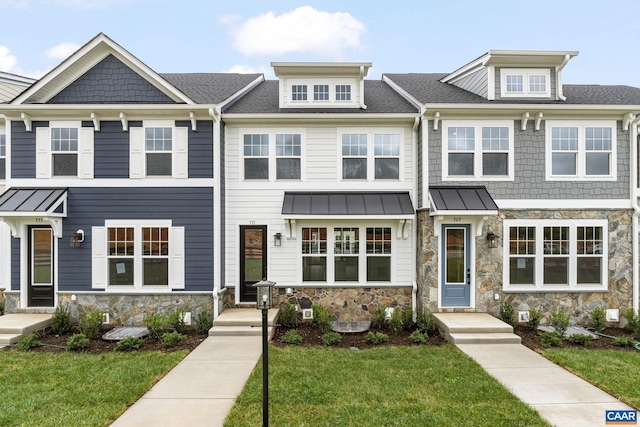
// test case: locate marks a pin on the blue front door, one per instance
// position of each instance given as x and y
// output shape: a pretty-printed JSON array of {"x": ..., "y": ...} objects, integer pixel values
[{"x": 456, "y": 268}]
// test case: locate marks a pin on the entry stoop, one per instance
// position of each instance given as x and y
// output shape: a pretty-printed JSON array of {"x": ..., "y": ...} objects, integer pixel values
[
  {"x": 14, "y": 326},
  {"x": 475, "y": 328},
  {"x": 243, "y": 322}
]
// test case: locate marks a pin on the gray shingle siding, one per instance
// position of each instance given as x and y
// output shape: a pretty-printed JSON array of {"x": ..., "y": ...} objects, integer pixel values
[
  {"x": 111, "y": 151},
  {"x": 90, "y": 207},
  {"x": 110, "y": 82},
  {"x": 475, "y": 82},
  {"x": 530, "y": 179},
  {"x": 200, "y": 148}
]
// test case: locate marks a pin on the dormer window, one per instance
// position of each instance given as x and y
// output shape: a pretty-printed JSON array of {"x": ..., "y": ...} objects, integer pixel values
[
  {"x": 320, "y": 92},
  {"x": 525, "y": 83},
  {"x": 343, "y": 92},
  {"x": 299, "y": 92}
]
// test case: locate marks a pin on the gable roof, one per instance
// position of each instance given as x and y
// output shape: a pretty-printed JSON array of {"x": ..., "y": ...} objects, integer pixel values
[
  {"x": 428, "y": 89},
  {"x": 379, "y": 98}
]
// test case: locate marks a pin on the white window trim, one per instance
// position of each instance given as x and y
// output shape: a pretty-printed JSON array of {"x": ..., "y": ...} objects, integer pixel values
[
  {"x": 371, "y": 157},
  {"x": 272, "y": 132},
  {"x": 362, "y": 254},
  {"x": 44, "y": 155},
  {"x": 581, "y": 166},
  {"x": 179, "y": 150},
  {"x": 310, "y": 102},
  {"x": 572, "y": 286},
  {"x": 477, "y": 154},
  {"x": 525, "y": 73},
  {"x": 100, "y": 258}
]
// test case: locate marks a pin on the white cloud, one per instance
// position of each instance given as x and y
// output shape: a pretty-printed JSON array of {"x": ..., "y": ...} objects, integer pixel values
[
  {"x": 302, "y": 30},
  {"x": 227, "y": 19},
  {"x": 8, "y": 62},
  {"x": 61, "y": 51}
]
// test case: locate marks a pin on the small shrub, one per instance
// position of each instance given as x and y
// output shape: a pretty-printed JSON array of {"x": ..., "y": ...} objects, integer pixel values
[
  {"x": 580, "y": 339},
  {"x": 395, "y": 323},
  {"x": 633, "y": 321},
  {"x": 129, "y": 344},
  {"x": 560, "y": 322},
  {"x": 418, "y": 337},
  {"x": 176, "y": 321},
  {"x": 291, "y": 337},
  {"x": 624, "y": 341},
  {"x": 407, "y": 319},
  {"x": 289, "y": 316},
  {"x": 535, "y": 316},
  {"x": 77, "y": 342},
  {"x": 61, "y": 320},
  {"x": 425, "y": 322},
  {"x": 331, "y": 338},
  {"x": 376, "y": 338},
  {"x": 158, "y": 324},
  {"x": 27, "y": 342},
  {"x": 203, "y": 322},
  {"x": 550, "y": 339},
  {"x": 379, "y": 321},
  {"x": 508, "y": 314},
  {"x": 321, "y": 318},
  {"x": 598, "y": 319},
  {"x": 172, "y": 339},
  {"x": 91, "y": 325}
]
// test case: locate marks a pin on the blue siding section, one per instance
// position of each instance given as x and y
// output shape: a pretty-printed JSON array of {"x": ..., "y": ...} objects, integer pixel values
[
  {"x": 111, "y": 151},
  {"x": 23, "y": 149},
  {"x": 90, "y": 207},
  {"x": 200, "y": 148},
  {"x": 110, "y": 82}
]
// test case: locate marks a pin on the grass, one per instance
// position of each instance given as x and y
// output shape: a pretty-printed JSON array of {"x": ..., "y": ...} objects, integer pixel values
[
  {"x": 615, "y": 372},
  {"x": 391, "y": 386},
  {"x": 74, "y": 389}
]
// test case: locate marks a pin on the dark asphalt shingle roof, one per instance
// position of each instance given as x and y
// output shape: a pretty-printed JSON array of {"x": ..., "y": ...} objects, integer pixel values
[
  {"x": 209, "y": 88},
  {"x": 379, "y": 97},
  {"x": 428, "y": 89}
]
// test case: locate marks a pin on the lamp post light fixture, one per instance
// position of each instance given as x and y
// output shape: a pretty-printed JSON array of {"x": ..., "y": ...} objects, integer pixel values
[
  {"x": 492, "y": 240},
  {"x": 277, "y": 239},
  {"x": 76, "y": 239},
  {"x": 263, "y": 302}
]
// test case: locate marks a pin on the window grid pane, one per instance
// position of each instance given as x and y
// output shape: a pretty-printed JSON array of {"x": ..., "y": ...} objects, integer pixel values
[
  {"x": 461, "y": 139},
  {"x": 354, "y": 145},
  {"x": 346, "y": 240},
  {"x": 537, "y": 83},
  {"x": 3, "y": 145},
  {"x": 314, "y": 240},
  {"x": 64, "y": 139},
  {"x": 515, "y": 83},
  {"x": 299, "y": 92},
  {"x": 378, "y": 240},
  {"x": 288, "y": 145},
  {"x": 256, "y": 145},
  {"x": 343, "y": 92},
  {"x": 320, "y": 92},
  {"x": 158, "y": 139}
]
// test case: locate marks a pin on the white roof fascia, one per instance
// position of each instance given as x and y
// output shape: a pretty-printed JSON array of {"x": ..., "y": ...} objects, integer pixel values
[
  {"x": 122, "y": 54},
  {"x": 323, "y": 68},
  {"x": 470, "y": 67},
  {"x": 248, "y": 88},
  {"x": 319, "y": 117}
]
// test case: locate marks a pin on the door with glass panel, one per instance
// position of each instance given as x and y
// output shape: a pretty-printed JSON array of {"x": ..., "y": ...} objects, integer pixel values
[
  {"x": 41, "y": 273},
  {"x": 456, "y": 266},
  {"x": 253, "y": 259}
]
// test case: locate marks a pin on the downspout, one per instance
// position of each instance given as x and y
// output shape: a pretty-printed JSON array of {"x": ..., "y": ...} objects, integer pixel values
[
  {"x": 636, "y": 214},
  {"x": 217, "y": 211},
  {"x": 414, "y": 238},
  {"x": 559, "y": 91}
]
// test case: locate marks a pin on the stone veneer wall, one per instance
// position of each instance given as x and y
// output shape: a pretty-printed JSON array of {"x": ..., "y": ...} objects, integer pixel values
[
  {"x": 130, "y": 310},
  {"x": 489, "y": 264}
]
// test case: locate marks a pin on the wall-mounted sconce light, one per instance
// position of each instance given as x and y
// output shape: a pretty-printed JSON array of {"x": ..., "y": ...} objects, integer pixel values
[
  {"x": 76, "y": 239},
  {"x": 277, "y": 239},
  {"x": 492, "y": 240}
]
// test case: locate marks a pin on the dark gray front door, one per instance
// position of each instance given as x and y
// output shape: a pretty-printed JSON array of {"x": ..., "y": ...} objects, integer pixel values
[
  {"x": 253, "y": 259},
  {"x": 456, "y": 268},
  {"x": 41, "y": 274}
]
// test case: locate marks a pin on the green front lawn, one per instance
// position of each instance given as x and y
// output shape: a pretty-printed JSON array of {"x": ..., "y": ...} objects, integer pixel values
[
  {"x": 391, "y": 386},
  {"x": 615, "y": 372},
  {"x": 43, "y": 389}
]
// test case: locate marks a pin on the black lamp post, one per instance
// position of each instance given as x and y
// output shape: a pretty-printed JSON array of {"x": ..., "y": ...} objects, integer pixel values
[{"x": 264, "y": 301}]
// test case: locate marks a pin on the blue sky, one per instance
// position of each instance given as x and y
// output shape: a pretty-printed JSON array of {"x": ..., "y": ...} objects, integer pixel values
[{"x": 396, "y": 36}]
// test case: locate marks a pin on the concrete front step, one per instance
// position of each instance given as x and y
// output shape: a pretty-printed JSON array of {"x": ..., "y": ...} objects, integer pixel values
[
  {"x": 244, "y": 317},
  {"x": 24, "y": 323},
  {"x": 6, "y": 339},
  {"x": 240, "y": 331},
  {"x": 452, "y": 323},
  {"x": 483, "y": 338}
]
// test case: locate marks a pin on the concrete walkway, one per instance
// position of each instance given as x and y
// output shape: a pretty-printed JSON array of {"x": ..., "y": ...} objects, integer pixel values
[
  {"x": 560, "y": 397},
  {"x": 201, "y": 389}
]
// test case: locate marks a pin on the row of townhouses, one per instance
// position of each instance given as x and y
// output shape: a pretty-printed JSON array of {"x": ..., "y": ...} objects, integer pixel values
[{"x": 130, "y": 191}]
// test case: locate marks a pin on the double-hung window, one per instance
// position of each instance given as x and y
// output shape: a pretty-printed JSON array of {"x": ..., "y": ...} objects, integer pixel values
[
  {"x": 3, "y": 156},
  {"x": 64, "y": 150},
  {"x": 525, "y": 83},
  {"x": 371, "y": 155},
  {"x": 346, "y": 254},
  {"x": 550, "y": 255},
  {"x": 276, "y": 155},
  {"x": 138, "y": 254},
  {"x": 581, "y": 150},
  {"x": 477, "y": 150},
  {"x": 158, "y": 149}
]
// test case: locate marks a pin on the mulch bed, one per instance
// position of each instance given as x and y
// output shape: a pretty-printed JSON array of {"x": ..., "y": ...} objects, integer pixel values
[{"x": 531, "y": 338}]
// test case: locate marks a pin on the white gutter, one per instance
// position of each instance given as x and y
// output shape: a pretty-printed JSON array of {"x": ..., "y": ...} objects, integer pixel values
[{"x": 636, "y": 214}]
